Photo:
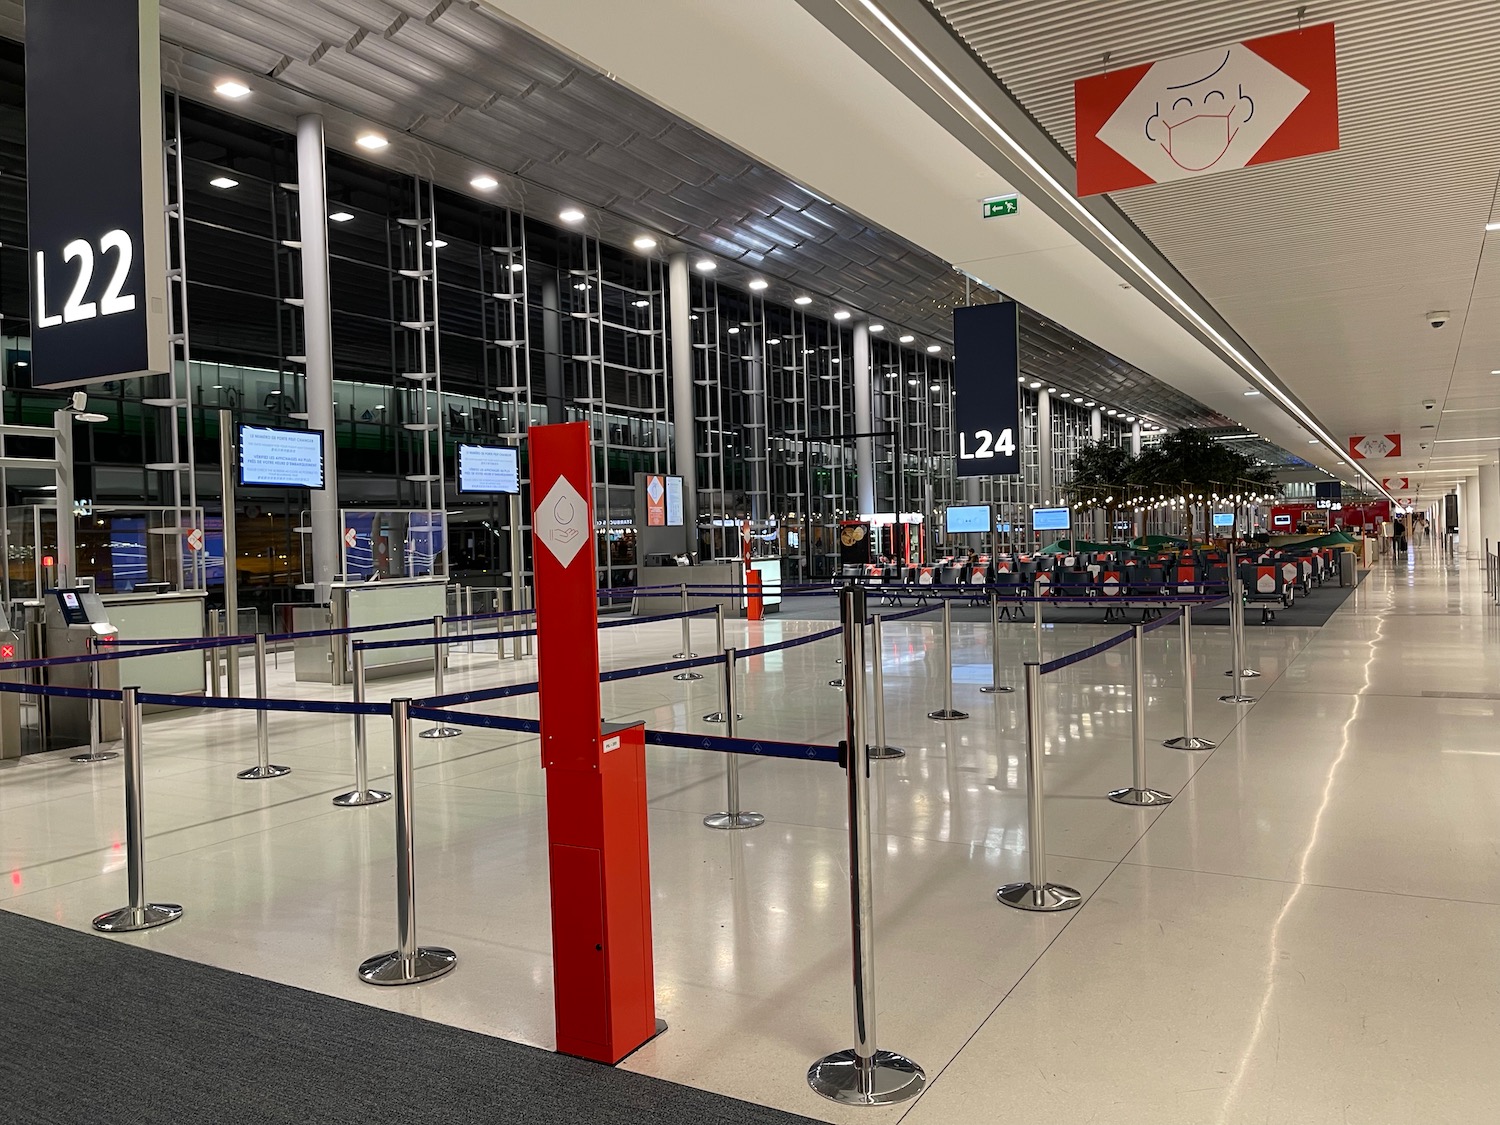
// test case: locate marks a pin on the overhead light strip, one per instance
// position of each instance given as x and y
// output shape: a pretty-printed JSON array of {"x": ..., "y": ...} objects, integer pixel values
[{"x": 1064, "y": 196}]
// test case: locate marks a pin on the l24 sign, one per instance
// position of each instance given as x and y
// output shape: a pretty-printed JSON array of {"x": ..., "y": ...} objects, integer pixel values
[{"x": 1214, "y": 110}]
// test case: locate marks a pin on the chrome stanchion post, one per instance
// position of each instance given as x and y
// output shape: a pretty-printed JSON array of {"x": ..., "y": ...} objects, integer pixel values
[
  {"x": 864, "y": 1074},
  {"x": 408, "y": 963},
  {"x": 733, "y": 816},
  {"x": 95, "y": 754},
  {"x": 140, "y": 914},
  {"x": 439, "y": 655},
  {"x": 1036, "y": 893},
  {"x": 1236, "y": 629},
  {"x": 947, "y": 712},
  {"x": 1188, "y": 741},
  {"x": 687, "y": 652},
  {"x": 724, "y": 693},
  {"x": 1036, "y": 615},
  {"x": 263, "y": 769},
  {"x": 995, "y": 687},
  {"x": 880, "y": 749},
  {"x": 1139, "y": 793},
  {"x": 212, "y": 653},
  {"x": 361, "y": 794}
]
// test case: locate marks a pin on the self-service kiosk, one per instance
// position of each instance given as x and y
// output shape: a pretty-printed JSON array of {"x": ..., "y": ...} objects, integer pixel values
[{"x": 75, "y": 624}]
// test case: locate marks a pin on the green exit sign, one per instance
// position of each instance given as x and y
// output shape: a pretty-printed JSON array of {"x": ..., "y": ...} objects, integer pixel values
[{"x": 1004, "y": 205}]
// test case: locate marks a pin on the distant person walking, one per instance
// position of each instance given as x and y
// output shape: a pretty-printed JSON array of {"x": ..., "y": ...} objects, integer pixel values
[{"x": 1400, "y": 530}]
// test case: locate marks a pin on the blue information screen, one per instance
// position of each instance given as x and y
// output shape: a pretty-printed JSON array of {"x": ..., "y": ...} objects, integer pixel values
[
  {"x": 1049, "y": 519},
  {"x": 967, "y": 518}
]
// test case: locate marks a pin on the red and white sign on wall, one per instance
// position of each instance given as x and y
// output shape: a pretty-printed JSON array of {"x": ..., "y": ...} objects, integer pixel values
[
  {"x": 1216, "y": 110},
  {"x": 1395, "y": 484},
  {"x": 195, "y": 539},
  {"x": 1372, "y": 447}
]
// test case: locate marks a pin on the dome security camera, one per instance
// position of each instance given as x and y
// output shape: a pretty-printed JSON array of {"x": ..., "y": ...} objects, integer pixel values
[{"x": 1439, "y": 318}]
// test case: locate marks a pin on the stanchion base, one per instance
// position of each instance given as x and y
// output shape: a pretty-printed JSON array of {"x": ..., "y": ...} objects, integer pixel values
[
  {"x": 997, "y": 689},
  {"x": 675, "y": 655},
  {"x": 1237, "y": 698},
  {"x": 1183, "y": 742},
  {"x": 259, "y": 773},
  {"x": 886, "y": 752},
  {"x": 729, "y": 821},
  {"x": 355, "y": 797},
  {"x": 431, "y": 961},
  {"x": 1140, "y": 797},
  {"x": 1245, "y": 673},
  {"x": 946, "y": 715},
  {"x": 718, "y": 717},
  {"x": 128, "y": 919},
  {"x": 688, "y": 676},
  {"x": 1026, "y": 896},
  {"x": 440, "y": 732},
  {"x": 888, "y": 1078},
  {"x": 101, "y": 756}
]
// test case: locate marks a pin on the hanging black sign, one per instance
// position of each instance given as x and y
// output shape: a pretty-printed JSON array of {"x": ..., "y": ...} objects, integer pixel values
[
  {"x": 95, "y": 204},
  {"x": 986, "y": 406}
]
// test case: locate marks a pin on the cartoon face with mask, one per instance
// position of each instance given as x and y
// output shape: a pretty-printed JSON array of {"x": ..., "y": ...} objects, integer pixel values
[
  {"x": 1202, "y": 120},
  {"x": 1206, "y": 111}
]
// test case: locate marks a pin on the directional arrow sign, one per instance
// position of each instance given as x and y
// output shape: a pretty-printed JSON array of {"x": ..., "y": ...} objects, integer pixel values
[
  {"x": 1001, "y": 205},
  {"x": 195, "y": 539}
]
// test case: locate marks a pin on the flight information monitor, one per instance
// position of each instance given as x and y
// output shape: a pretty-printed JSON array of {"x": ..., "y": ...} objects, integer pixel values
[
  {"x": 488, "y": 468},
  {"x": 1223, "y": 519},
  {"x": 277, "y": 458},
  {"x": 1049, "y": 519},
  {"x": 967, "y": 518}
]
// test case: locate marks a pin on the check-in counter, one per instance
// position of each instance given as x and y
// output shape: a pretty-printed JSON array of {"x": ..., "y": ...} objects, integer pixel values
[
  {"x": 723, "y": 572},
  {"x": 356, "y": 605}
]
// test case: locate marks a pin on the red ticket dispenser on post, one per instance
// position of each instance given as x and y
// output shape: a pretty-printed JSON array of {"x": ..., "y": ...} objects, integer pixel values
[{"x": 602, "y": 970}]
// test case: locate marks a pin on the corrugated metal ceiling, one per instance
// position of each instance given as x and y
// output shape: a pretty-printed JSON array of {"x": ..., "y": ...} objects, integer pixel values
[{"x": 1326, "y": 264}]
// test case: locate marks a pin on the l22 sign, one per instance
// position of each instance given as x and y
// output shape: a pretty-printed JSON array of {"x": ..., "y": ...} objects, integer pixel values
[{"x": 1214, "y": 110}]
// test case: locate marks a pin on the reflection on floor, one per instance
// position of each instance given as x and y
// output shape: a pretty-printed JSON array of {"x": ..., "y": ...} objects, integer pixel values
[{"x": 1306, "y": 935}]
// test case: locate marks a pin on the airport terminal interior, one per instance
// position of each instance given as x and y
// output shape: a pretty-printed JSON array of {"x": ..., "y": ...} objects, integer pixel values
[{"x": 703, "y": 561}]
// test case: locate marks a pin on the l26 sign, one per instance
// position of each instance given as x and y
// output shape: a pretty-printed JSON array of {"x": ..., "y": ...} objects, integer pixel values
[{"x": 1215, "y": 110}]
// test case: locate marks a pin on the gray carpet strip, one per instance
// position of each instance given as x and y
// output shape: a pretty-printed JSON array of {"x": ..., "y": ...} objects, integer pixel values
[{"x": 93, "y": 1030}]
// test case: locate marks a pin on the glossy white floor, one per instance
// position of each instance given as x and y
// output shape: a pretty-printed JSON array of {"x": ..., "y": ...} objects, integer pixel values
[{"x": 1307, "y": 935}]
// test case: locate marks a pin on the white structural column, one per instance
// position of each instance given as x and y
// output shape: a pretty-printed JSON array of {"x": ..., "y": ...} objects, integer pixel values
[
  {"x": 1468, "y": 516},
  {"x": 1135, "y": 439},
  {"x": 864, "y": 420},
  {"x": 312, "y": 206},
  {"x": 1044, "y": 448},
  {"x": 1096, "y": 433},
  {"x": 684, "y": 424},
  {"x": 1489, "y": 506}
]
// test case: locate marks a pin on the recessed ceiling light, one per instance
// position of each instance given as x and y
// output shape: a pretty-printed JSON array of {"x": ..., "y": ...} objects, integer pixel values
[
  {"x": 223, "y": 182},
  {"x": 877, "y": 328},
  {"x": 229, "y": 88},
  {"x": 1034, "y": 386},
  {"x": 705, "y": 265},
  {"x": 907, "y": 339},
  {"x": 645, "y": 242},
  {"x": 934, "y": 347},
  {"x": 340, "y": 217},
  {"x": 841, "y": 315},
  {"x": 1252, "y": 394},
  {"x": 1111, "y": 412},
  {"x": 1065, "y": 394},
  {"x": 734, "y": 331},
  {"x": 1492, "y": 226},
  {"x": 484, "y": 183},
  {"x": 1131, "y": 418},
  {"x": 571, "y": 215},
  {"x": 801, "y": 300},
  {"x": 1089, "y": 403},
  {"x": 758, "y": 284},
  {"x": 1312, "y": 441},
  {"x": 371, "y": 141},
  {"x": 1051, "y": 390}
]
